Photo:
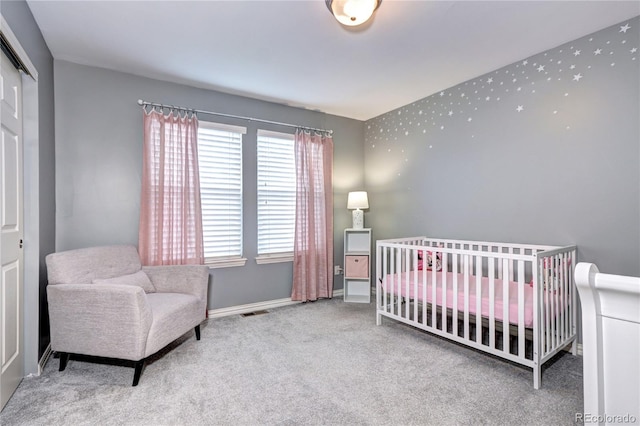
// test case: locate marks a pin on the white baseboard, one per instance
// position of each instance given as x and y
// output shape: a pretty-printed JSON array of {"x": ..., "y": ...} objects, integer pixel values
[
  {"x": 44, "y": 359},
  {"x": 578, "y": 349},
  {"x": 258, "y": 306}
]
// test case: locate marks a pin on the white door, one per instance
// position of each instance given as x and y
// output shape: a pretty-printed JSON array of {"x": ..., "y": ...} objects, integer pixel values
[{"x": 11, "y": 291}]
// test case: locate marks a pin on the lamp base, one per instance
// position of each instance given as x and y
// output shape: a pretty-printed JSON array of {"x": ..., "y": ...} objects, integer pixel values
[{"x": 358, "y": 219}]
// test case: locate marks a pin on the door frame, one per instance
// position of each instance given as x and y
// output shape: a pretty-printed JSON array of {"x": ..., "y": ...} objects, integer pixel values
[{"x": 31, "y": 203}]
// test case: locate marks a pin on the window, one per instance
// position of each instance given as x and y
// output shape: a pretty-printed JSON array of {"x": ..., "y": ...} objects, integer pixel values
[
  {"x": 220, "y": 162},
  {"x": 276, "y": 196}
]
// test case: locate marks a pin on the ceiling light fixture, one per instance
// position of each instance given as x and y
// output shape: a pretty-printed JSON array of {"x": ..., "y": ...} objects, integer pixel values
[{"x": 352, "y": 12}]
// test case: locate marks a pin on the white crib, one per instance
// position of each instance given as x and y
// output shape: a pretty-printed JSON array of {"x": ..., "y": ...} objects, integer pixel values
[
  {"x": 611, "y": 346},
  {"x": 515, "y": 301}
]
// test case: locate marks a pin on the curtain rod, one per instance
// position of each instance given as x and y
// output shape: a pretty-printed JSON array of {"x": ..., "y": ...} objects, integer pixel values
[{"x": 199, "y": 111}]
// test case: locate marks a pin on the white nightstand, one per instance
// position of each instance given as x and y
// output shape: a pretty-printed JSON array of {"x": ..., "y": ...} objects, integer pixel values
[{"x": 357, "y": 265}]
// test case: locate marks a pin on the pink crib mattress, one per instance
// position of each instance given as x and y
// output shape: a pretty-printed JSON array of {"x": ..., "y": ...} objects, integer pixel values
[{"x": 498, "y": 310}]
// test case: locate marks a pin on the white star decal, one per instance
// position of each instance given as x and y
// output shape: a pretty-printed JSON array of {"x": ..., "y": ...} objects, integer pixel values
[
  {"x": 488, "y": 98},
  {"x": 634, "y": 50},
  {"x": 624, "y": 28},
  {"x": 469, "y": 119},
  {"x": 520, "y": 108},
  {"x": 572, "y": 67},
  {"x": 576, "y": 53},
  {"x": 577, "y": 77},
  {"x": 525, "y": 62},
  {"x": 541, "y": 68},
  {"x": 450, "y": 113},
  {"x": 441, "y": 93},
  {"x": 597, "y": 51},
  {"x": 490, "y": 80}
]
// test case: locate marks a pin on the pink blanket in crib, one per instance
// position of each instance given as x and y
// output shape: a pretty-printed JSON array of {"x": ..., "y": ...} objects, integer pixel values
[{"x": 398, "y": 286}]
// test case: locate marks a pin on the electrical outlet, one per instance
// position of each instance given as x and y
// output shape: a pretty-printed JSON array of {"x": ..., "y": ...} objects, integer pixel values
[{"x": 337, "y": 269}]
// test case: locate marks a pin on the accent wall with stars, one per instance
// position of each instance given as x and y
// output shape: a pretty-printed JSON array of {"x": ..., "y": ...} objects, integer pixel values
[{"x": 545, "y": 150}]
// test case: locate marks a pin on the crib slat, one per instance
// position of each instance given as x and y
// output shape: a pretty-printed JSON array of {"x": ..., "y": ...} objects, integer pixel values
[
  {"x": 379, "y": 250},
  {"x": 574, "y": 310},
  {"x": 492, "y": 303},
  {"x": 566, "y": 297},
  {"x": 424, "y": 292},
  {"x": 466, "y": 297},
  {"x": 562, "y": 310},
  {"x": 414, "y": 270},
  {"x": 547, "y": 323},
  {"x": 443, "y": 291},
  {"x": 521, "y": 306},
  {"x": 454, "y": 321},
  {"x": 554, "y": 302},
  {"x": 434, "y": 300},
  {"x": 398, "y": 280},
  {"x": 407, "y": 294},
  {"x": 478, "y": 300},
  {"x": 383, "y": 275},
  {"x": 560, "y": 299},
  {"x": 566, "y": 294},
  {"x": 505, "y": 305},
  {"x": 537, "y": 273}
]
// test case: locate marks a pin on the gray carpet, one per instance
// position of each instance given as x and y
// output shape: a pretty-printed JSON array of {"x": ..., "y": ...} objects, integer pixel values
[{"x": 317, "y": 363}]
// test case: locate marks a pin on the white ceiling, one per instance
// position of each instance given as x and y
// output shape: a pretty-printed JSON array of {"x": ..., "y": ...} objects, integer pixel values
[{"x": 293, "y": 52}]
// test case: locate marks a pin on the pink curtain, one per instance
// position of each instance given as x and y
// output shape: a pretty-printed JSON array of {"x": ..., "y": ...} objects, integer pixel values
[
  {"x": 313, "y": 244},
  {"x": 170, "y": 216}
]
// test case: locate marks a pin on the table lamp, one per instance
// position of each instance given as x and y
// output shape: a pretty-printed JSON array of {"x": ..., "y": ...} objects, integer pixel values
[{"x": 358, "y": 200}]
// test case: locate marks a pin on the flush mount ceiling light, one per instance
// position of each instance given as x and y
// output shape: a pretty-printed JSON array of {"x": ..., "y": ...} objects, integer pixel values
[{"x": 352, "y": 12}]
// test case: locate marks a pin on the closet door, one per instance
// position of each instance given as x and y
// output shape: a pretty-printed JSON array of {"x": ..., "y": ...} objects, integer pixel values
[{"x": 11, "y": 231}]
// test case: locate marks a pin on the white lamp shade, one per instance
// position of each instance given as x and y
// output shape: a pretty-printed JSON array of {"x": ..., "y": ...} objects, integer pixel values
[
  {"x": 353, "y": 12},
  {"x": 358, "y": 200}
]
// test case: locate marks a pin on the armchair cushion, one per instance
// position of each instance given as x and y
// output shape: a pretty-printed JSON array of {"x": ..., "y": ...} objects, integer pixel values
[
  {"x": 139, "y": 279},
  {"x": 82, "y": 266}
]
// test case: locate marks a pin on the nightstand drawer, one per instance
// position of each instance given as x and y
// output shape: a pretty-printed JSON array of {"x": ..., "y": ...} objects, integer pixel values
[{"x": 356, "y": 266}]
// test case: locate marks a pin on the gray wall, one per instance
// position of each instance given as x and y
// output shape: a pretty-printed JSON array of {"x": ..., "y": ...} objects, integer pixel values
[
  {"x": 99, "y": 162},
  {"x": 19, "y": 18},
  {"x": 565, "y": 169}
]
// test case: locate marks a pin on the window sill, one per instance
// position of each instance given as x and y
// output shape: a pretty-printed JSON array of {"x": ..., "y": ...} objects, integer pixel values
[
  {"x": 225, "y": 263},
  {"x": 274, "y": 258}
]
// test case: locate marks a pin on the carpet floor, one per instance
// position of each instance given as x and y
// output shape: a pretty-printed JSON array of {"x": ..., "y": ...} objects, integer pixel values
[{"x": 320, "y": 363}]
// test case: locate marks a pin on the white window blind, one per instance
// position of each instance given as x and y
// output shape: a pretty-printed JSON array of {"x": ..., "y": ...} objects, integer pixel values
[
  {"x": 220, "y": 162},
  {"x": 276, "y": 193}
]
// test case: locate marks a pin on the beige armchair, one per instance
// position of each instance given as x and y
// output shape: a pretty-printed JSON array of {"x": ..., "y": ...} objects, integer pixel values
[{"x": 103, "y": 303}]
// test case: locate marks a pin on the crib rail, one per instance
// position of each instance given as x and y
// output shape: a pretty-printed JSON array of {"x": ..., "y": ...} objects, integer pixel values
[{"x": 512, "y": 300}]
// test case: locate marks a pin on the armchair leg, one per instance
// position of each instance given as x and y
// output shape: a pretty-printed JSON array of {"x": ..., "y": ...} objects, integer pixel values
[
  {"x": 64, "y": 358},
  {"x": 139, "y": 366},
  {"x": 198, "y": 332}
]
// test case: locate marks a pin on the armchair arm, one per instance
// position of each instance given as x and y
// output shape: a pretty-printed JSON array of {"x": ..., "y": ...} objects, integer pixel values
[
  {"x": 190, "y": 279},
  {"x": 107, "y": 320}
]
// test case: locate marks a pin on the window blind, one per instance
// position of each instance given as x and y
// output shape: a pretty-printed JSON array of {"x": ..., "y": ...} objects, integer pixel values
[
  {"x": 276, "y": 192},
  {"x": 220, "y": 162}
]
